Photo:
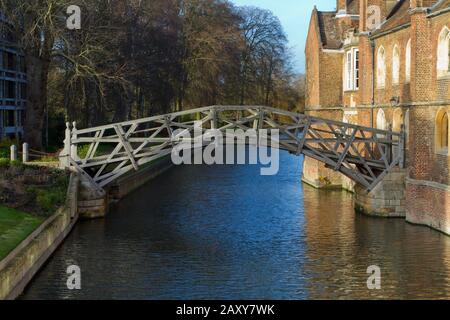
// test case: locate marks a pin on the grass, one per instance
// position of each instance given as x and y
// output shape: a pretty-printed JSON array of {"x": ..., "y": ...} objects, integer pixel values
[{"x": 15, "y": 226}]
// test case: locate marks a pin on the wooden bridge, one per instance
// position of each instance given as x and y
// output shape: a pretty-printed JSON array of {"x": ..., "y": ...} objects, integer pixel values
[{"x": 103, "y": 154}]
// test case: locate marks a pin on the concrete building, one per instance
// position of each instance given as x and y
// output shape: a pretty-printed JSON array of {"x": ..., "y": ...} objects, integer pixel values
[
  {"x": 13, "y": 94},
  {"x": 386, "y": 64}
]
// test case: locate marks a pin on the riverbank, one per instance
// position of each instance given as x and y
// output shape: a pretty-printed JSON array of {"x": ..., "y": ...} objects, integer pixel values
[
  {"x": 37, "y": 234},
  {"x": 37, "y": 211}
]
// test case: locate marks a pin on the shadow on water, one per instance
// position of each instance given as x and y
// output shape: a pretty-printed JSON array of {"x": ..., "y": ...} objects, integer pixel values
[{"x": 225, "y": 232}]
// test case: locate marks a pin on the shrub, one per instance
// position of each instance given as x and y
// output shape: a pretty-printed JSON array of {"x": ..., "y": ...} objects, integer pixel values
[
  {"x": 50, "y": 198},
  {"x": 5, "y": 145},
  {"x": 4, "y": 162}
]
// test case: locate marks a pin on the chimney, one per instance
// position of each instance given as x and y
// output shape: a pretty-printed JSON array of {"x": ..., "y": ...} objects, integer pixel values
[{"x": 341, "y": 5}]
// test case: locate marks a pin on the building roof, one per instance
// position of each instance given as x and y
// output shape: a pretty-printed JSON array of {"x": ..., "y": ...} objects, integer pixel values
[
  {"x": 398, "y": 16},
  {"x": 329, "y": 34},
  {"x": 329, "y": 30}
]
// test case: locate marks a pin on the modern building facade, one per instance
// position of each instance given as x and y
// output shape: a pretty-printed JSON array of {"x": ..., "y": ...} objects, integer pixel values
[
  {"x": 386, "y": 64},
  {"x": 13, "y": 95}
]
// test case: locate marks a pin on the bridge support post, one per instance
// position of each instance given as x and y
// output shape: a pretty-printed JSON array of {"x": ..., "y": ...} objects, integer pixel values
[
  {"x": 73, "y": 147},
  {"x": 64, "y": 157},
  {"x": 387, "y": 199}
]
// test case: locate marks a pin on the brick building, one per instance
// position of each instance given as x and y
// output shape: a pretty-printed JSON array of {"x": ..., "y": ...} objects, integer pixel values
[{"x": 386, "y": 64}]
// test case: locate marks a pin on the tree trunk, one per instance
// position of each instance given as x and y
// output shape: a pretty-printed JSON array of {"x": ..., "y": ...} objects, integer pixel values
[{"x": 37, "y": 79}]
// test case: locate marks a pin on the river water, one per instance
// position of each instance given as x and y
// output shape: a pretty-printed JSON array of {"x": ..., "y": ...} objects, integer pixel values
[{"x": 225, "y": 232}]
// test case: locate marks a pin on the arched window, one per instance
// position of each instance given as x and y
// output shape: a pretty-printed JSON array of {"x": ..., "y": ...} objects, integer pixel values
[
  {"x": 408, "y": 62},
  {"x": 381, "y": 120},
  {"x": 396, "y": 65},
  {"x": 442, "y": 132},
  {"x": 381, "y": 68},
  {"x": 443, "y": 60}
]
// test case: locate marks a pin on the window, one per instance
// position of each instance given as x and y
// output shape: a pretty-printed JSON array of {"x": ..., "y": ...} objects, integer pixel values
[
  {"x": 10, "y": 90},
  {"x": 8, "y": 118},
  {"x": 443, "y": 59},
  {"x": 22, "y": 91},
  {"x": 408, "y": 62},
  {"x": 351, "y": 73},
  {"x": 396, "y": 65},
  {"x": 442, "y": 132},
  {"x": 381, "y": 68},
  {"x": 381, "y": 120},
  {"x": 356, "y": 69},
  {"x": 9, "y": 61}
]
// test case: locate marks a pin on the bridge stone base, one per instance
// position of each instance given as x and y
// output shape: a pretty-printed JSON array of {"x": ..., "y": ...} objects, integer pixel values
[
  {"x": 91, "y": 204},
  {"x": 388, "y": 199},
  {"x": 318, "y": 176}
]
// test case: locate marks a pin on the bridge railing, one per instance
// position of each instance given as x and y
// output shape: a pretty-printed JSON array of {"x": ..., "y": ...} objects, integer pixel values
[{"x": 107, "y": 152}]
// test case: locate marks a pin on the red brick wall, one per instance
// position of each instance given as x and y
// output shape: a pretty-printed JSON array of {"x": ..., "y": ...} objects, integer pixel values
[
  {"x": 312, "y": 50},
  {"x": 430, "y": 206},
  {"x": 402, "y": 89},
  {"x": 365, "y": 56},
  {"x": 330, "y": 74},
  {"x": 440, "y": 86}
]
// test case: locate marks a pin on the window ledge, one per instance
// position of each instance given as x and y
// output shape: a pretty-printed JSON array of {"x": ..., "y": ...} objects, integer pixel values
[
  {"x": 443, "y": 76},
  {"x": 442, "y": 152}
]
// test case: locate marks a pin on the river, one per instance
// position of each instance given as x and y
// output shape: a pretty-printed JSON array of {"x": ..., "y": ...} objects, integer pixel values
[{"x": 225, "y": 232}]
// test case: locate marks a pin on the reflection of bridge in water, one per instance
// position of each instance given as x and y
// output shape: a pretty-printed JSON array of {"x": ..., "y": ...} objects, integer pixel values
[{"x": 365, "y": 155}]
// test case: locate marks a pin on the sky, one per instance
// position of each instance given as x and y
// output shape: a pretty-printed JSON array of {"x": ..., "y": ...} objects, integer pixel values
[{"x": 294, "y": 16}]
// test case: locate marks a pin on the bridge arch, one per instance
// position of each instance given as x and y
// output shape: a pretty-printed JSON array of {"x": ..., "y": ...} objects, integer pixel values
[{"x": 363, "y": 154}]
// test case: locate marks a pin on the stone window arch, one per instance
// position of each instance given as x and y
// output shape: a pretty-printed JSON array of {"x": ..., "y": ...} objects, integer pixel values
[
  {"x": 381, "y": 120},
  {"x": 396, "y": 65},
  {"x": 381, "y": 67},
  {"x": 408, "y": 62},
  {"x": 442, "y": 132},
  {"x": 443, "y": 53}
]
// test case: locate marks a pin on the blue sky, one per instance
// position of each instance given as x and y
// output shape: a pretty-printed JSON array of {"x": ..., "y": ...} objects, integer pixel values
[{"x": 294, "y": 16}]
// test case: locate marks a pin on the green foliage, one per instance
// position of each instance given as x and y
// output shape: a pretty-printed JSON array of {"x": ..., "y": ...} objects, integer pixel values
[
  {"x": 50, "y": 198},
  {"x": 83, "y": 150},
  {"x": 101, "y": 150},
  {"x": 4, "y": 162},
  {"x": 5, "y": 145},
  {"x": 47, "y": 159}
]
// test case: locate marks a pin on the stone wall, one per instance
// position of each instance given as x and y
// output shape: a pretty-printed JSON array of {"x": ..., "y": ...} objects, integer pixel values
[
  {"x": 20, "y": 266},
  {"x": 388, "y": 199},
  {"x": 428, "y": 205}
]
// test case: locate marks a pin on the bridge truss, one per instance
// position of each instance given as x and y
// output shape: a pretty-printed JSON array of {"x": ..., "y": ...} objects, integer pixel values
[{"x": 105, "y": 153}]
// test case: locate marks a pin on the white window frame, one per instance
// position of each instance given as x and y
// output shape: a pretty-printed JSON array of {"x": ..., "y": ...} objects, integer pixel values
[
  {"x": 396, "y": 65},
  {"x": 443, "y": 53},
  {"x": 351, "y": 70},
  {"x": 381, "y": 66},
  {"x": 408, "y": 62}
]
